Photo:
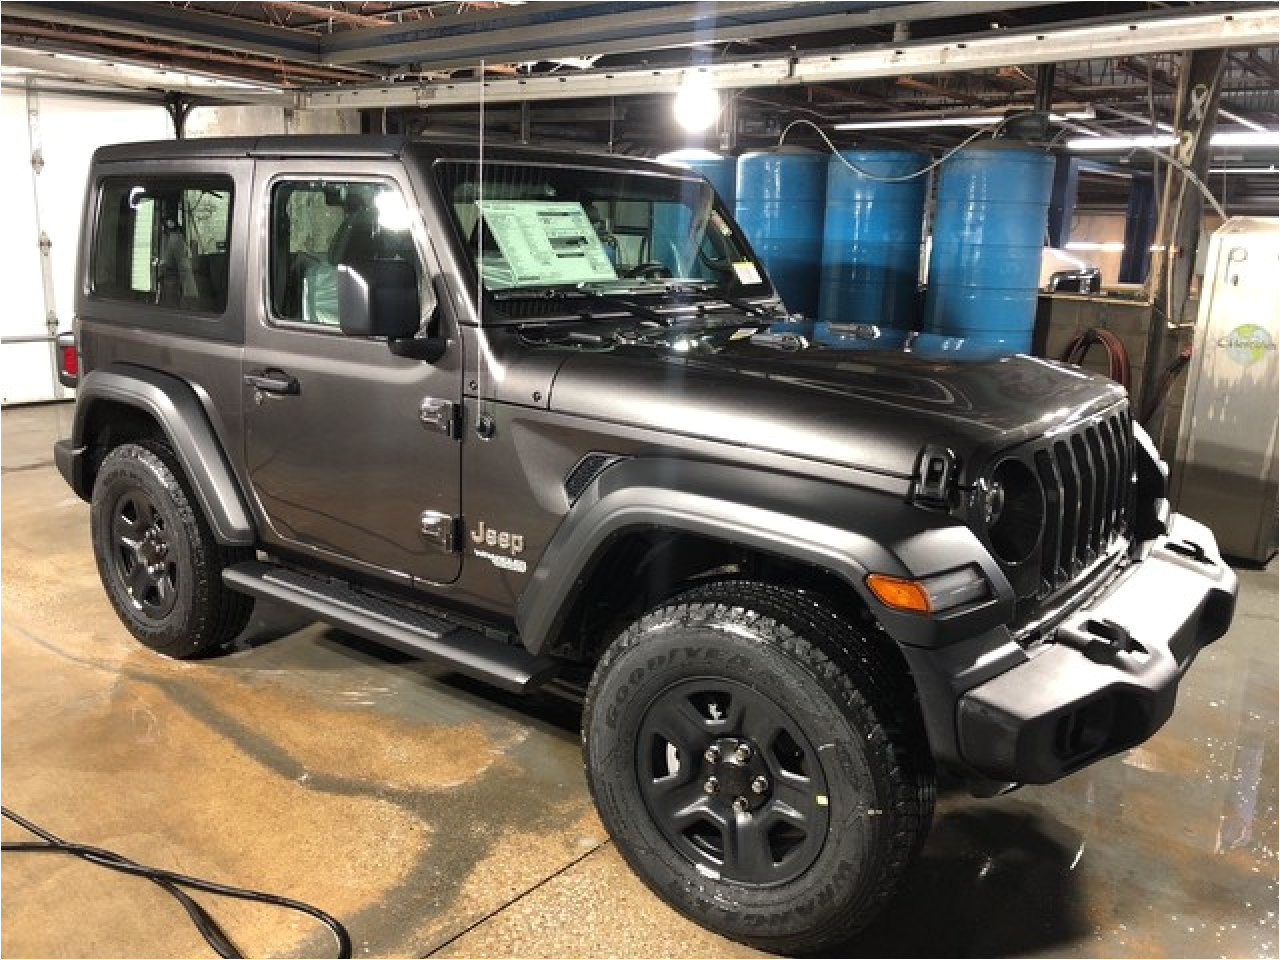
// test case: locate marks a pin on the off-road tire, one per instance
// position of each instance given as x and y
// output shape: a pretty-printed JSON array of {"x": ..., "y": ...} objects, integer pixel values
[
  {"x": 203, "y": 615},
  {"x": 840, "y": 686}
]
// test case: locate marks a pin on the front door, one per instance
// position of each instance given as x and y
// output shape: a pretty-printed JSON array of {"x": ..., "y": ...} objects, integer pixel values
[{"x": 342, "y": 461}]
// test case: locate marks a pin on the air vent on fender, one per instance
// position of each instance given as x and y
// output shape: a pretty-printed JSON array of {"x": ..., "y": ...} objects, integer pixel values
[{"x": 585, "y": 471}]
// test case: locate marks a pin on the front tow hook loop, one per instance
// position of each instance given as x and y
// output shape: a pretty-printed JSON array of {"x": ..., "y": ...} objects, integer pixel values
[
  {"x": 1190, "y": 550},
  {"x": 1101, "y": 640}
]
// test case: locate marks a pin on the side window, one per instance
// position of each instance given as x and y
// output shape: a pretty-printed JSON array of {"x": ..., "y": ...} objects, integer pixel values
[
  {"x": 163, "y": 241},
  {"x": 318, "y": 225}
]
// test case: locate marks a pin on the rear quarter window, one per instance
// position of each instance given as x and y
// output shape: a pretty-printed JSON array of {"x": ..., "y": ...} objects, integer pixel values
[{"x": 163, "y": 241}]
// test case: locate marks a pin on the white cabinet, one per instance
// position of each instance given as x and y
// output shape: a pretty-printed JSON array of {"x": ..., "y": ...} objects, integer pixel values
[{"x": 1225, "y": 472}]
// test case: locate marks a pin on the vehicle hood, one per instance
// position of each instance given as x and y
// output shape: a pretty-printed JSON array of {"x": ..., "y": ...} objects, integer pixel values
[{"x": 874, "y": 410}]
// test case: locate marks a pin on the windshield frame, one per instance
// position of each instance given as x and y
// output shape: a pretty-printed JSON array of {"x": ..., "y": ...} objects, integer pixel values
[{"x": 494, "y": 310}]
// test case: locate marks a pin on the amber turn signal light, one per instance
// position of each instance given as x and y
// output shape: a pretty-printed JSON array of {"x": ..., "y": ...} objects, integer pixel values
[{"x": 909, "y": 595}]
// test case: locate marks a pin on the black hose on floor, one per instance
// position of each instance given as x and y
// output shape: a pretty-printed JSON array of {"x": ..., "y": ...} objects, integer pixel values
[{"x": 171, "y": 883}]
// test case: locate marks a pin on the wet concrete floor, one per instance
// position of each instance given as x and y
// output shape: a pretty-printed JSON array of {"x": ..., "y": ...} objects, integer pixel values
[{"x": 436, "y": 816}]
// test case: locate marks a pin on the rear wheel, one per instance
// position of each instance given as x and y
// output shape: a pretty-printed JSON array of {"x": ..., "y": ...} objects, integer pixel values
[
  {"x": 759, "y": 763},
  {"x": 157, "y": 557}
]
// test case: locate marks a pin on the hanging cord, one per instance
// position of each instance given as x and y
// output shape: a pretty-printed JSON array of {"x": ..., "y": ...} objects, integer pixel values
[
  {"x": 483, "y": 421},
  {"x": 1119, "y": 368},
  {"x": 1163, "y": 385},
  {"x": 879, "y": 179},
  {"x": 171, "y": 882}
]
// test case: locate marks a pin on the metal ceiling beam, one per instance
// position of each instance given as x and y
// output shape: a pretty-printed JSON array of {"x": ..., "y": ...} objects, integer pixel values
[
  {"x": 163, "y": 22},
  {"x": 1226, "y": 26},
  {"x": 132, "y": 76},
  {"x": 86, "y": 91},
  {"x": 72, "y": 40},
  {"x": 679, "y": 25}
]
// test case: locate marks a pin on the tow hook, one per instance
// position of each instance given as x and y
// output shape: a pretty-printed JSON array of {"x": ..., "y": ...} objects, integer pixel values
[
  {"x": 1192, "y": 551},
  {"x": 1100, "y": 640}
]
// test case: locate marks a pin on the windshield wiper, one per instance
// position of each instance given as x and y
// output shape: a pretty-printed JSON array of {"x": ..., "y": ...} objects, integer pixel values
[
  {"x": 709, "y": 293},
  {"x": 587, "y": 293}
]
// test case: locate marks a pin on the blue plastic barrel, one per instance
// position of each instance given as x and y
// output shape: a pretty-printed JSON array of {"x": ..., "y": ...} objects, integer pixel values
[
  {"x": 780, "y": 203},
  {"x": 871, "y": 240},
  {"x": 720, "y": 169},
  {"x": 988, "y": 238},
  {"x": 938, "y": 346}
]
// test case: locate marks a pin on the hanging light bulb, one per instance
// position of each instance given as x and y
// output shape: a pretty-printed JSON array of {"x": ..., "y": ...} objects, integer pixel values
[{"x": 697, "y": 103}]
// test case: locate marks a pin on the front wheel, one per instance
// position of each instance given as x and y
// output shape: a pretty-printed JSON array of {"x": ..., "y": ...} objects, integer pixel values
[{"x": 759, "y": 763}]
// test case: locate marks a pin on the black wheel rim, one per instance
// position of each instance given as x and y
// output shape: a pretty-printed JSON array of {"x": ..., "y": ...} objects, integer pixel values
[
  {"x": 142, "y": 554},
  {"x": 732, "y": 782}
]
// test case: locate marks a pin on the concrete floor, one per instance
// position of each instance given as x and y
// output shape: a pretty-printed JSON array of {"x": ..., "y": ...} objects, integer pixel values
[{"x": 435, "y": 816}]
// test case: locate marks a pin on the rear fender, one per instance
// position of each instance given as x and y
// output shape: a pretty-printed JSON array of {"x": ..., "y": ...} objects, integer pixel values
[{"x": 176, "y": 408}]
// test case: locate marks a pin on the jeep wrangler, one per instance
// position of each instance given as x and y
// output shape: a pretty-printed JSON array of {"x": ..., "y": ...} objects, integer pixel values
[{"x": 521, "y": 411}]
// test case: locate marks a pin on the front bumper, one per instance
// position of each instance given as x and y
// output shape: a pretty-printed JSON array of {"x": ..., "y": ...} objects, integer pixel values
[{"x": 1108, "y": 676}]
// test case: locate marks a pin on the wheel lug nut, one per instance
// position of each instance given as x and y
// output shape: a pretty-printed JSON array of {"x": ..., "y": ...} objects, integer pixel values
[
  {"x": 740, "y": 805},
  {"x": 712, "y": 754},
  {"x": 712, "y": 785},
  {"x": 759, "y": 785},
  {"x": 743, "y": 752}
]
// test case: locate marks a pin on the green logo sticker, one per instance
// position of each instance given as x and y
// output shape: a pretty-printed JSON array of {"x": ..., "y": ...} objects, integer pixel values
[{"x": 1247, "y": 344}]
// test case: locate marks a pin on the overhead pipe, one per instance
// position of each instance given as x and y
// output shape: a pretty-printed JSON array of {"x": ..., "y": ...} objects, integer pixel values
[{"x": 330, "y": 13}]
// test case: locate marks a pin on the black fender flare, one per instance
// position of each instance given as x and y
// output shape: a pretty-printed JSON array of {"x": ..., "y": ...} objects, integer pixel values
[
  {"x": 175, "y": 406},
  {"x": 845, "y": 530}
]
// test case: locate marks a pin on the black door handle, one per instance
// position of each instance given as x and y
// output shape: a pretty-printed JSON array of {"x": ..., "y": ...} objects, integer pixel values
[{"x": 273, "y": 381}]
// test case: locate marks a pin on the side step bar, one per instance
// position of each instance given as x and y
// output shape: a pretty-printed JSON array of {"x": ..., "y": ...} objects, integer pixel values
[{"x": 503, "y": 665}]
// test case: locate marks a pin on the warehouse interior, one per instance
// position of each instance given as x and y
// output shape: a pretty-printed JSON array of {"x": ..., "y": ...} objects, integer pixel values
[{"x": 434, "y": 815}]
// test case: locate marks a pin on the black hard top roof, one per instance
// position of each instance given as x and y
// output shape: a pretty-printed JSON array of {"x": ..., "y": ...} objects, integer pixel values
[{"x": 360, "y": 146}]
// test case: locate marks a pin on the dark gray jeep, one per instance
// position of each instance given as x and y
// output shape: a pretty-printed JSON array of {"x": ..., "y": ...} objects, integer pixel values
[{"x": 526, "y": 416}]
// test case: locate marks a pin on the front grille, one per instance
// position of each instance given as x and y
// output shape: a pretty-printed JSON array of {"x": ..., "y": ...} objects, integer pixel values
[{"x": 1088, "y": 496}]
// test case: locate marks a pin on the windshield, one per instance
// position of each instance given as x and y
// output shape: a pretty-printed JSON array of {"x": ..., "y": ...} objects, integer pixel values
[{"x": 541, "y": 228}]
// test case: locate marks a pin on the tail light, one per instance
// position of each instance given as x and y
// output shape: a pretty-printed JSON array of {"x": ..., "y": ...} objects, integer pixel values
[{"x": 68, "y": 360}]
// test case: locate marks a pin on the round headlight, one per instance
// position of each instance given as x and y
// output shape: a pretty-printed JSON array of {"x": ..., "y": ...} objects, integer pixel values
[{"x": 1013, "y": 510}]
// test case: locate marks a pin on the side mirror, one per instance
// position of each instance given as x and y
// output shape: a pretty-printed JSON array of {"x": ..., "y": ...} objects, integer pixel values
[{"x": 380, "y": 299}]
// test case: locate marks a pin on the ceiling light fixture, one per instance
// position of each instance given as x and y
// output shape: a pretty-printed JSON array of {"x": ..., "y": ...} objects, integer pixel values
[{"x": 697, "y": 104}]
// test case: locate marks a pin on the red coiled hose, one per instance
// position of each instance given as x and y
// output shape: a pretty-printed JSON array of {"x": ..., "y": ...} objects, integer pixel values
[{"x": 1117, "y": 356}]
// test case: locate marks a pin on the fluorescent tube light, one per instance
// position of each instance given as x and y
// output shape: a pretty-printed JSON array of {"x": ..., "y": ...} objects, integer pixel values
[
  {"x": 1246, "y": 138},
  {"x": 1225, "y": 138},
  {"x": 1218, "y": 170},
  {"x": 984, "y": 120},
  {"x": 970, "y": 120},
  {"x": 1101, "y": 144}
]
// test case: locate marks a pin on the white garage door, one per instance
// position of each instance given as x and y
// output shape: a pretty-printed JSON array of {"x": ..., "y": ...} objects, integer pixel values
[{"x": 70, "y": 129}]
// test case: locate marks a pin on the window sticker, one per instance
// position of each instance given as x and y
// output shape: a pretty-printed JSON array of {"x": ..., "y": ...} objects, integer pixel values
[
  {"x": 746, "y": 272},
  {"x": 544, "y": 242}
]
